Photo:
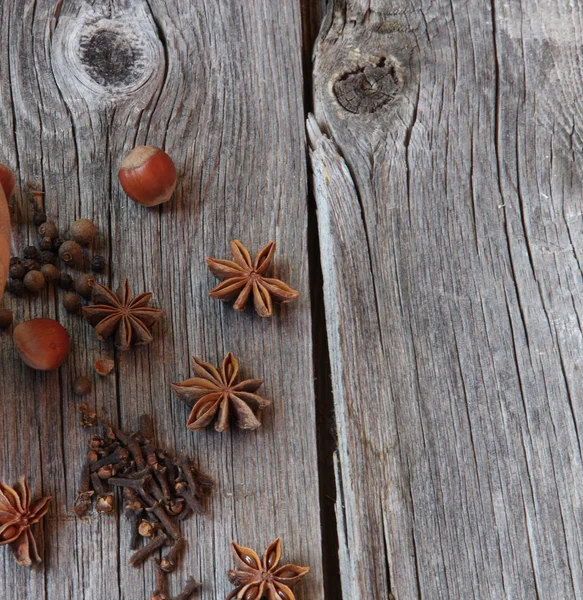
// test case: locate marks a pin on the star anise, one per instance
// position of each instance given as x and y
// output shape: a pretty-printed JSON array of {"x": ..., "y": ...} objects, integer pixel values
[
  {"x": 17, "y": 515},
  {"x": 130, "y": 320},
  {"x": 261, "y": 578},
  {"x": 242, "y": 276},
  {"x": 217, "y": 390}
]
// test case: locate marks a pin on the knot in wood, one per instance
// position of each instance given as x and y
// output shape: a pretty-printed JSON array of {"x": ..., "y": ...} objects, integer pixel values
[
  {"x": 112, "y": 54},
  {"x": 370, "y": 87}
]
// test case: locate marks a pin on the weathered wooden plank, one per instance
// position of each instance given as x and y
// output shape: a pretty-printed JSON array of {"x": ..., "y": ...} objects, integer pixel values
[
  {"x": 219, "y": 85},
  {"x": 449, "y": 208}
]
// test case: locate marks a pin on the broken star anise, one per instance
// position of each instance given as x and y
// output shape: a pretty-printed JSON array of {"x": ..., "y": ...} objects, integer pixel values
[
  {"x": 17, "y": 515},
  {"x": 130, "y": 320},
  {"x": 216, "y": 390},
  {"x": 243, "y": 276},
  {"x": 258, "y": 579}
]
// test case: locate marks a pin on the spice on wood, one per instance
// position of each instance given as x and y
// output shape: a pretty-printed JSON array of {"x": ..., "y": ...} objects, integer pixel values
[
  {"x": 257, "y": 578},
  {"x": 217, "y": 393},
  {"x": 17, "y": 514},
  {"x": 243, "y": 277}
]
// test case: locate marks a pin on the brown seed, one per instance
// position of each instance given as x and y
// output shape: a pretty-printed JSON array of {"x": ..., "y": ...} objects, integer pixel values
[
  {"x": 71, "y": 302},
  {"x": 5, "y": 318},
  {"x": 84, "y": 284},
  {"x": 34, "y": 281},
  {"x": 48, "y": 229},
  {"x": 17, "y": 271},
  {"x": 82, "y": 385},
  {"x": 43, "y": 344},
  {"x": 51, "y": 273},
  {"x": 104, "y": 366},
  {"x": 71, "y": 253},
  {"x": 46, "y": 243},
  {"x": 83, "y": 231}
]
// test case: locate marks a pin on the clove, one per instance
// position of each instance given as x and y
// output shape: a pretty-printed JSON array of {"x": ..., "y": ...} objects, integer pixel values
[
  {"x": 189, "y": 590},
  {"x": 161, "y": 585},
  {"x": 105, "y": 500},
  {"x": 170, "y": 561},
  {"x": 84, "y": 493},
  {"x": 144, "y": 553}
]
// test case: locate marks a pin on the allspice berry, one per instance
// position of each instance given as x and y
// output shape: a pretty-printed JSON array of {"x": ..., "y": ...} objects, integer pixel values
[
  {"x": 5, "y": 318},
  {"x": 71, "y": 302},
  {"x": 17, "y": 271},
  {"x": 81, "y": 385},
  {"x": 34, "y": 281},
  {"x": 46, "y": 243},
  {"x": 83, "y": 231},
  {"x": 148, "y": 175},
  {"x": 84, "y": 285},
  {"x": 42, "y": 344},
  {"x": 71, "y": 253},
  {"x": 48, "y": 229},
  {"x": 51, "y": 273},
  {"x": 30, "y": 265}
]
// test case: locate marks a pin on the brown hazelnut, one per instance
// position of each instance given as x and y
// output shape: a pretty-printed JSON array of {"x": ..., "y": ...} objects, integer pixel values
[
  {"x": 5, "y": 318},
  {"x": 48, "y": 229},
  {"x": 84, "y": 285},
  {"x": 71, "y": 253},
  {"x": 71, "y": 302},
  {"x": 81, "y": 385},
  {"x": 7, "y": 180},
  {"x": 42, "y": 344},
  {"x": 148, "y": 175},
  {"x": 51, "y": 273},
  {"x": 83, "y": 231},
  {"x": 34, "y": 281},
  {"x": 104, "y": 366}
]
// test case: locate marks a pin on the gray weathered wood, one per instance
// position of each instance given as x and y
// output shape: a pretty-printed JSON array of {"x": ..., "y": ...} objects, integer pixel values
[
  {"x": 219, "y": 86},
  {"x": 449, "y": 207}
]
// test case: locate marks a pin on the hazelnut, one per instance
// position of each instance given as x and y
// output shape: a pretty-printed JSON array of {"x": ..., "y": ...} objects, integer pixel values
[
  {"x": 42, "y": 344},
  {"x": 82, "y": 385},
  {"x": 5, "y": 318},
  {"x": 84, "y": 285},
  {"x": 104, "y": 366},
  {"x": 51, "y": 273},
  {"x": 83, "y": 231},
  {"x": 71, "y": 302},
  {"x": 17, "y": 271},
  {"x": 7, "y": 180},
  {"x": 34, "y": 281},
  {"x": 71, "y": 253},
  {"x": 148, "y": 175},
  {"x": 48, "y": 229}
]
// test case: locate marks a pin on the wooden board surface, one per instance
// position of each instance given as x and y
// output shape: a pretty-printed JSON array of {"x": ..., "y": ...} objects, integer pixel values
[
  {"x": 219, "y": 86},
  {"x": 447, "y": 162}
]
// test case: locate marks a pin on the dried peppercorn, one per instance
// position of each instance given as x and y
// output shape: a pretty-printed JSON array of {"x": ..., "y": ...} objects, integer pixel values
[
  {"x": 57, "y": 243},
  {"x": 17, "y": 271},
  {"x": 30, "y": 265},
  {"x": 98, "y": 264},
  {"x": 16, "y": 287},
  {"x": 14, "y": 260},
  {"x": 5, "y": 318},
  {"x": 46, "y": 257},
  {"x": 30, "y": 252},
  {"x": 65, "y": 281},
  {"x": 39, "y": 218},
  {"x": 46, "y": 243},
  {"x": 51, "y": 273},
  {"x": 71, "y": 302},
  {"x": 34, "y": 281},
  {"x": 48, "y": 229},
  {"x": 84, "y": 285},
  {"x": 71, "y": 253},
  {"x": 82, "y": 385}
]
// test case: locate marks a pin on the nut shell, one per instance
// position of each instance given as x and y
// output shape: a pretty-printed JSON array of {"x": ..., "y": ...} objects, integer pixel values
[
  {"x": 7, "y": 180},
  {"x": 148, "y": 175},
  {"x": 43, "y": 344}
]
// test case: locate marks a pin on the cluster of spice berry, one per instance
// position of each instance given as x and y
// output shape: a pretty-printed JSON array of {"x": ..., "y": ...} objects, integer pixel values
[{"x": 159, "y": 491}]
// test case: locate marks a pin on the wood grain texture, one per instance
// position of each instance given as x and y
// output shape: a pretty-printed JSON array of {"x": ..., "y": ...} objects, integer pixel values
[
  {"x": 219, "y": 86},
  {"x": 451, "y": 239}
]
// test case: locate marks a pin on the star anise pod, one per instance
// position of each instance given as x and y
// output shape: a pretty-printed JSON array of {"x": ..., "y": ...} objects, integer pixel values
[
  {"x": 17, "y": 515},
  {"x": 130, "y": 320},
  {"x": 258, "y": 579},
  {"x": 242, "y": 276},
  {"x": 217, "y": 390}
]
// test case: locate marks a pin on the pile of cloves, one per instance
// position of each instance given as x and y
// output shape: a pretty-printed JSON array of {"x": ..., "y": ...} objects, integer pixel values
[{"x": 158, "y": 490}]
